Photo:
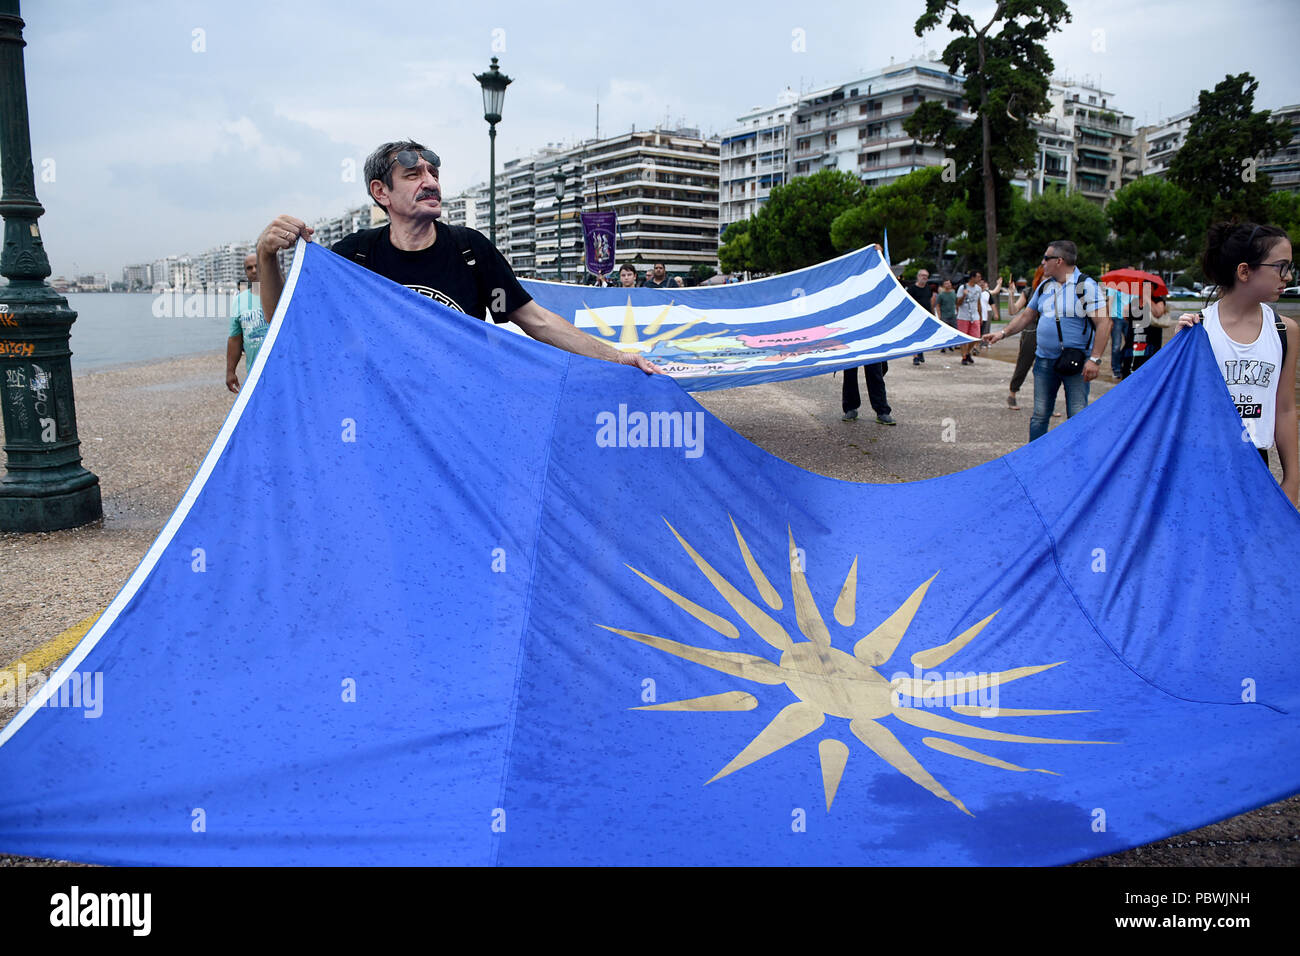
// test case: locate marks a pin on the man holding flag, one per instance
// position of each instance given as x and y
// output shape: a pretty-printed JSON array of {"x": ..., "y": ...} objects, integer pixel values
[{"x": 458, "y": 267}]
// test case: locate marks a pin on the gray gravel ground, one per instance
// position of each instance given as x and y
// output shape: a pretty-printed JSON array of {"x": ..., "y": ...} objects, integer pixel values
[{"x": 146, "y": 428}]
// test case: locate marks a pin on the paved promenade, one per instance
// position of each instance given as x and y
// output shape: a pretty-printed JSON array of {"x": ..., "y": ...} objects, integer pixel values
[{"x": 145, "y": 429}]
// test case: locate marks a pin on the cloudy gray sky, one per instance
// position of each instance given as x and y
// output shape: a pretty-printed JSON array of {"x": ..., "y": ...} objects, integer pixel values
[{"x": 162, "y": 128}]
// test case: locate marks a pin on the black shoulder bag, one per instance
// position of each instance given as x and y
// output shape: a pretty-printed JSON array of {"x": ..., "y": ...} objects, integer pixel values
[{"x": 1070, "y": 361}]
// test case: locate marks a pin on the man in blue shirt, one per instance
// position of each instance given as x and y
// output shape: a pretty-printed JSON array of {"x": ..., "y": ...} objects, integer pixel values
[
  {"x": 1071, "y": 312},
  {"x": 248, "y": 327}
]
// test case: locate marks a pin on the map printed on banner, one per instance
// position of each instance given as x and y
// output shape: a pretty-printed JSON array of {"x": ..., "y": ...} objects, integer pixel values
[{"x": 839, "y": 314}]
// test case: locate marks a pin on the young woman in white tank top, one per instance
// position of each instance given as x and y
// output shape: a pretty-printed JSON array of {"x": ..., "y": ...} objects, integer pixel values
[{"x": 1251, "y": 264}]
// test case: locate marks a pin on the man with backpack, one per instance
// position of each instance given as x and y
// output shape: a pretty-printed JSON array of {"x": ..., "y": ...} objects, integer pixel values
[
  {"x": 453, "y": 265},
  {"x": 1073, "y": 324}
]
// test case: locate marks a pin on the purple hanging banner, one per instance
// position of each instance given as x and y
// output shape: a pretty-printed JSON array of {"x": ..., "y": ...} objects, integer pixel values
[{"x": 598, "y": 230}]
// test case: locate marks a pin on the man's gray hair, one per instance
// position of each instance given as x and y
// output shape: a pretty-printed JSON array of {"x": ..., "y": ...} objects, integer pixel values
[
  {"x": 1067, "y": 250},
  {"x": 379, "y": 164}
]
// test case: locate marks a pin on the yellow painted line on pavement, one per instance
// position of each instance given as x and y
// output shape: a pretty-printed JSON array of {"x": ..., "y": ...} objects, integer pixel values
[{"x": 49, "y": 653}]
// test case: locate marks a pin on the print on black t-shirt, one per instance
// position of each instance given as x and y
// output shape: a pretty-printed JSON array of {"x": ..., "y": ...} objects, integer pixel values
[{"x": 440, "y": 272}]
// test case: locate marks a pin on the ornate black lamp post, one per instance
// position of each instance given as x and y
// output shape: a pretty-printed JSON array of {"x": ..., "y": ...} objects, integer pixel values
[
  {"x": 494, "y": 84},
  {"x": 558, "y": 178},
  {"x": 44, "y": 487}
]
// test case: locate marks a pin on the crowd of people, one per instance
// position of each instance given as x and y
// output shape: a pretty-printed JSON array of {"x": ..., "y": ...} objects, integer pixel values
[
  {"x": 1066, "y": 319},
  {"x": 1067, "y": 322},
  {"x": 656, "y": 277}
]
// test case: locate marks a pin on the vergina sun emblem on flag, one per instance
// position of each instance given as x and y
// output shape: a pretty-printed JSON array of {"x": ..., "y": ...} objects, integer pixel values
[
  {"x": 828, "y": 682},
  {"x": 629, "y": 335}
]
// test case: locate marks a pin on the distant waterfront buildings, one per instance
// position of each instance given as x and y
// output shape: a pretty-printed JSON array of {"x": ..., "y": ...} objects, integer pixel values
[{"x": 136, "y": 278}]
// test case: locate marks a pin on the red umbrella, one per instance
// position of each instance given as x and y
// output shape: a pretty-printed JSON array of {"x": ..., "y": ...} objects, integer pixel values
[{"x": 1131, "y": 281}]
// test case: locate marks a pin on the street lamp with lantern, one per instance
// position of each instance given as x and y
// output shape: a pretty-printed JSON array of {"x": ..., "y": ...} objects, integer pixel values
[
  {"x": 494, "y": 84},
  {"x": 44, "y": 487},
  {"x": 558, "y": 178}
]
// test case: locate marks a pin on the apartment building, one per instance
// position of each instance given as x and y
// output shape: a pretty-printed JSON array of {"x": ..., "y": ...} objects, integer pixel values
[
  {"x": 753, "y": 157},
  {"x": 136, "y": 278},
  {"x": 464, "y": 209},
  {"x": 221, "y": 268},
  {"x": 663, "y": 184},
  {"x": 173, "y": 272},
  {"x": 1158, "y": 143},
  {"x": 1283, "y": 167},
  {"x": 1105, "y": 157},
  {"x": 857, "y": 127},
  {"x": 333, "y": 228}
]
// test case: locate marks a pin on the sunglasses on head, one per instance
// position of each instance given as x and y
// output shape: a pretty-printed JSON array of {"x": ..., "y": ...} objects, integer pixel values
[{"x": 410, "y": 158}]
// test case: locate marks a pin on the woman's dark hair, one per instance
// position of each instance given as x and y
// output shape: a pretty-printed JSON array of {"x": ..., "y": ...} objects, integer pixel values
[{"x": 1229, "y": 244}]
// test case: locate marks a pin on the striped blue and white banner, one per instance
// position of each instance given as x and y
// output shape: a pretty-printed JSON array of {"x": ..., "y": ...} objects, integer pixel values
[{"x": 840, "y": 314}]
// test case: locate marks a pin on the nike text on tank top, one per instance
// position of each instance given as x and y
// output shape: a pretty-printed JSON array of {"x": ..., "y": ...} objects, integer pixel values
[{"x": 1251, "y": 373}]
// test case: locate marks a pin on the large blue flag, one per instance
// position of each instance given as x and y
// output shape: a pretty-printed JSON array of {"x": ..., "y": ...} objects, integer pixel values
[
  {"x": 835, "y": 315},
  {"x": 440, "y": 594}
]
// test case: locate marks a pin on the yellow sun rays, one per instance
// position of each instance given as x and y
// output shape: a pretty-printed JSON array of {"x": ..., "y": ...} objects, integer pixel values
[
  {"x": 629, "y": 337},
  {"x": 827, "y": 681}
]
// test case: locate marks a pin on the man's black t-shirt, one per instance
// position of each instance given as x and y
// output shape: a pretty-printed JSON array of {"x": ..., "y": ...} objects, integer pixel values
[
  {"x": 441, "y": 271},
  {"x": 921, "y": 294}
]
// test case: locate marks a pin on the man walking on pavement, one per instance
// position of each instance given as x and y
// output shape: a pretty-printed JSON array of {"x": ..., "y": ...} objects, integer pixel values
[
  {"x": 1073, "y": 325},
  {"x": 921, "y": 294}
]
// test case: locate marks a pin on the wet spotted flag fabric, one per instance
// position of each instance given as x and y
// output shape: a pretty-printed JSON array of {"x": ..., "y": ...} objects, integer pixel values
[{"x": 485, "y": 602}]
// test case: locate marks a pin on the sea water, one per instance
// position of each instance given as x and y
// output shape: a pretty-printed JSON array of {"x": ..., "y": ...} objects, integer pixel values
[{"x": 115, "y": 328}]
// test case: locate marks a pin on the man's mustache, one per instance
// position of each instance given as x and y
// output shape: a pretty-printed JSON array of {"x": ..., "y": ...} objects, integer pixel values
[{"x": 428, "y": 194}]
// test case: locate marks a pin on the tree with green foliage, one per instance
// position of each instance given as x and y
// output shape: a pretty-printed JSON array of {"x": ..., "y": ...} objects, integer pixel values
[
  {"x": 793, "y": 228},
  {"x": 1057, "y": 214},
  {"x": 699, "y": 273},
  {"x": 1284, "y": 212},
  {"x": 1217, "y": 163},
  {"x": 1153, "y": 225},
  {"x": 1007, "y": 77},
  {"x": 911, "y": 207},
  {"x": 733, "y": 254}
]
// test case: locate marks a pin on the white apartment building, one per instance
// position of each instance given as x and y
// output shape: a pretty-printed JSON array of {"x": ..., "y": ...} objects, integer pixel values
[
  {"x": 664, "y": 186},
  {"x": 753, "y": 156},
  {"x": 1283, "y": 167},
  {"x": 1105, "y": 156},
  {"x": 472, "y": 208},
  {"x": 557, "y": 228},
  {"x": 1054, "y": 161},
  {"x": 333, "y": 228},
  {"x": 173, "y": 272},
  {"x": 464, "y": 209},
  {"x": 857, "y": 126},
  {"x": 136, "y": 277},
  {"x": 222, "y": 267},
  {"x": 1158, "y": 143}
]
